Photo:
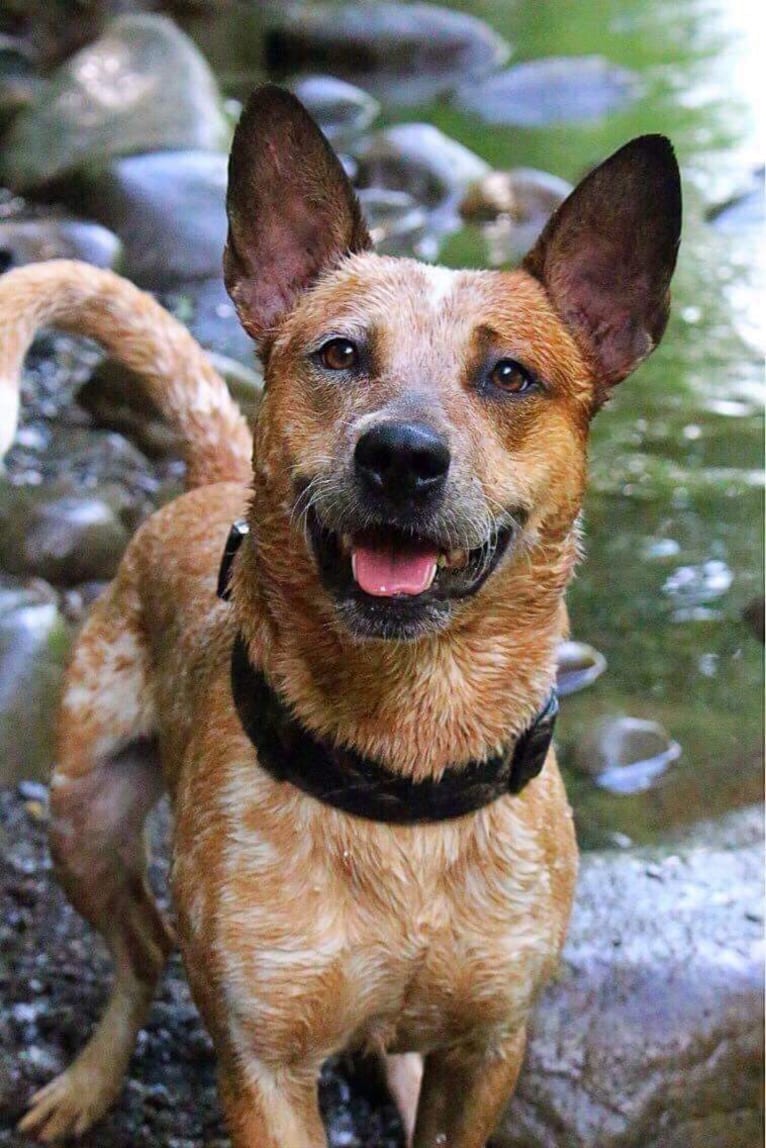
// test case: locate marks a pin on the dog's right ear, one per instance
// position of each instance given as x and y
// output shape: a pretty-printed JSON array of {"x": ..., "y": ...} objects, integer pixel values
[{"x": 292, "y": 211}]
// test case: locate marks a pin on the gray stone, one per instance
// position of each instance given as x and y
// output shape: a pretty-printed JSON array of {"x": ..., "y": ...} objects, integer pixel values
[
  {"x": 523, "y": 193},
  {"x": 34, "y": 240},
  {"x": 626, "y": 754},
  {"x": 651, "y": 1035},
  {"x": 34, "y": 642},
  {"x": 405, "y": 52},
  {"x": 578, "y": 666},
  {"x": 142, "y": 86},
  {"x": 396, "y": 221},
  {"x": 168, "y": 208},
  {"x": 342, "y": 110},
  {"x": 420, "y": 159},
  {"x": 556, "y": 89},
  {"x": 206, "y": 309},
  {"x": 742, "y": 211},
  {"x": 114, "y": 397},
  {"x": 59, "y": 534}
]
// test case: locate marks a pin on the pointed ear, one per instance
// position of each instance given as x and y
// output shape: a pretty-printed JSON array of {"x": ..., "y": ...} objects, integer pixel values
[
  {"x": 607, "y": 255},
  {"x": 292, "y": 211}
]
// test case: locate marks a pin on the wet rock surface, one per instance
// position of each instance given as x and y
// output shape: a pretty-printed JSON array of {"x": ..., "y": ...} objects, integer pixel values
[
  {"x": 140, "y": 87},
  {"x": 409, "y": 52},
  {"x": 553, "y": 90},
  {"x": 168, "y": 209},
  {"x": 32, "y": 240},
  {"x": 342, "y": 110},
  {"x": 651, "y": 1036}
]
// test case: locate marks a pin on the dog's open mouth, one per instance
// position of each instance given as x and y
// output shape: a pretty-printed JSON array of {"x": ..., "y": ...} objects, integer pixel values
[{"x": 406, "y": 569}]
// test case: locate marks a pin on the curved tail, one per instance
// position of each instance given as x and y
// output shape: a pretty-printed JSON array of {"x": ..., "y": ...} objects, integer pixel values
[{"x": 137, "y": 331}]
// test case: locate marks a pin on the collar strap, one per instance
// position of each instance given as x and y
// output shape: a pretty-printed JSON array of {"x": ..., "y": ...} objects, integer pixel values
[{"x": 341, "y": 777}]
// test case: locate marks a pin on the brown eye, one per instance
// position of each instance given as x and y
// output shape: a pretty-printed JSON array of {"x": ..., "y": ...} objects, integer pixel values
[
  {"x": 511, "y": 377},
  {"x": 338, "y": 355}
]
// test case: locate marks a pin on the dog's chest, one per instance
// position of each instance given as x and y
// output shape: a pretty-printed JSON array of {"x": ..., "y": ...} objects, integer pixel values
[{"x": 380, "y": 938}]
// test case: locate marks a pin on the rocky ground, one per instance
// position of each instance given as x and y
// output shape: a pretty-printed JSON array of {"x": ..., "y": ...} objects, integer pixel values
[{"x": 53, "y": 981}]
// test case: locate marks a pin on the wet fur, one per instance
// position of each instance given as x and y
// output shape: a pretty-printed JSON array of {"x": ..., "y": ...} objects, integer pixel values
[{"x": 305, "y": 931}]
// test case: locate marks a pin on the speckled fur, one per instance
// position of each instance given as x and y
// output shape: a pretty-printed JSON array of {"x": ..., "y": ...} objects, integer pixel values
[{"x": 304, "y": 930}]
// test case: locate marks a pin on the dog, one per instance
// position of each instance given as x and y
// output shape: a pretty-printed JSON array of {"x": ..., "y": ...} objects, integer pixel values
[{"x": 372, "y": 846}]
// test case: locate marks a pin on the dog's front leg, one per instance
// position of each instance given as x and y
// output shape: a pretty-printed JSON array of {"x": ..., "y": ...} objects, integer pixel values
[
  {"x": 464, "y": 1092},
  {"x": 268, "y": 1107}
]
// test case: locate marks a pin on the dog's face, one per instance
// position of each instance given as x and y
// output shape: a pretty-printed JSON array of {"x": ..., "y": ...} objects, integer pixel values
[{"x": 423, "y": 429}]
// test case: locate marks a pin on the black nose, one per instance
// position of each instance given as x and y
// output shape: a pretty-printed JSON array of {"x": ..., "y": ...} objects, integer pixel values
[{"x": 402, "y": 460}]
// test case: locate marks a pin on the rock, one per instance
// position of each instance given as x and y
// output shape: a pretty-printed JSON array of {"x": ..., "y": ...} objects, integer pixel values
[
  {"x": 556, "y": 89},
  {"x": 342, "y": 110},
  {"x": 651, "y": 1035},
  {"x": 754, "y": 616},
  {"x": 524, "y": 194},
  {"x": 76, "y": 460},
  {"x": 579, "y": 665},
  {"x": 421, "y": 160},
  {"x": 34, "y": 642},
  {"x": 406, "y": 52},
  {"x": 743, "y": 210},
  {"x": 33, "y": 240},
  {"x": 141, "y": 87},
  {"x": 115, "y": 398},
  {"x": 168, "y": 208},
  {"x": 397, "y": 223},
  {"x": 19, "y": 86},
  {"x": 245, "y": 383},
  {"x": 55, "y": 533},
  {"x": 208, "y": 312},
  {"x": 626, "y": 754}
]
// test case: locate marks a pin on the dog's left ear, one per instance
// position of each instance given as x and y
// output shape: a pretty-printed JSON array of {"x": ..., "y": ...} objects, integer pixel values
[
  {"x": 292, "y": 211},
  {"x": 607, "y": 255}
]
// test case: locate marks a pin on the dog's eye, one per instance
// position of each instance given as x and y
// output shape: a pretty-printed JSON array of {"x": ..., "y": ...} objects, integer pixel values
[
  {"x": 511, "y": 377},
  {"x": 338, "y": 355}
]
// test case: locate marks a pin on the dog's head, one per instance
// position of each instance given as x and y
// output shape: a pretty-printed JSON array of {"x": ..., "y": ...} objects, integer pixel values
[{"x": 423, "y": 430}]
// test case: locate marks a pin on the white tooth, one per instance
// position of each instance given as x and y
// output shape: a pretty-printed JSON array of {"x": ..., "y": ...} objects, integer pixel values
[
  {"x": 353, "y": 565},
  {"x": 431, "y": 576}
]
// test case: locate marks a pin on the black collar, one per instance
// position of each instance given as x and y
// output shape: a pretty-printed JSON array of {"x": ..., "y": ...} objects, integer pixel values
[{"x": 341, "y": 777}]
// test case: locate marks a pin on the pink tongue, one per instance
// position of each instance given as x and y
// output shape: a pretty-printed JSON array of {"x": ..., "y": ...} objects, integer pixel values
[{"x": 383, "y": 571}]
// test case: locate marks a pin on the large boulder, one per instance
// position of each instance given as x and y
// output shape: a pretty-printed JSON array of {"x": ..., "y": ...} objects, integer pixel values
[
  {"x": 168, "y": 209},
  {"x": 142, "y": 86},
  {"x": 407, "y": 52},
  {"x": 651, "y": 1037}
]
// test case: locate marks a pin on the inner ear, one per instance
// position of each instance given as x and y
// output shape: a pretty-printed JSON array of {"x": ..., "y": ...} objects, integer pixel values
[
  {"x": 291, "y": 208},
  {"x": 607, "y": 255}
]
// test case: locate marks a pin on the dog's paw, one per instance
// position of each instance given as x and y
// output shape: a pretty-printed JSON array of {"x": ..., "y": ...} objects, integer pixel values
[{"x": 68, "y": 1106}]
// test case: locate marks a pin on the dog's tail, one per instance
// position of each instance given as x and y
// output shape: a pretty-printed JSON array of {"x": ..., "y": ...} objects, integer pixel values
[{"x": 136, "y": 330}]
